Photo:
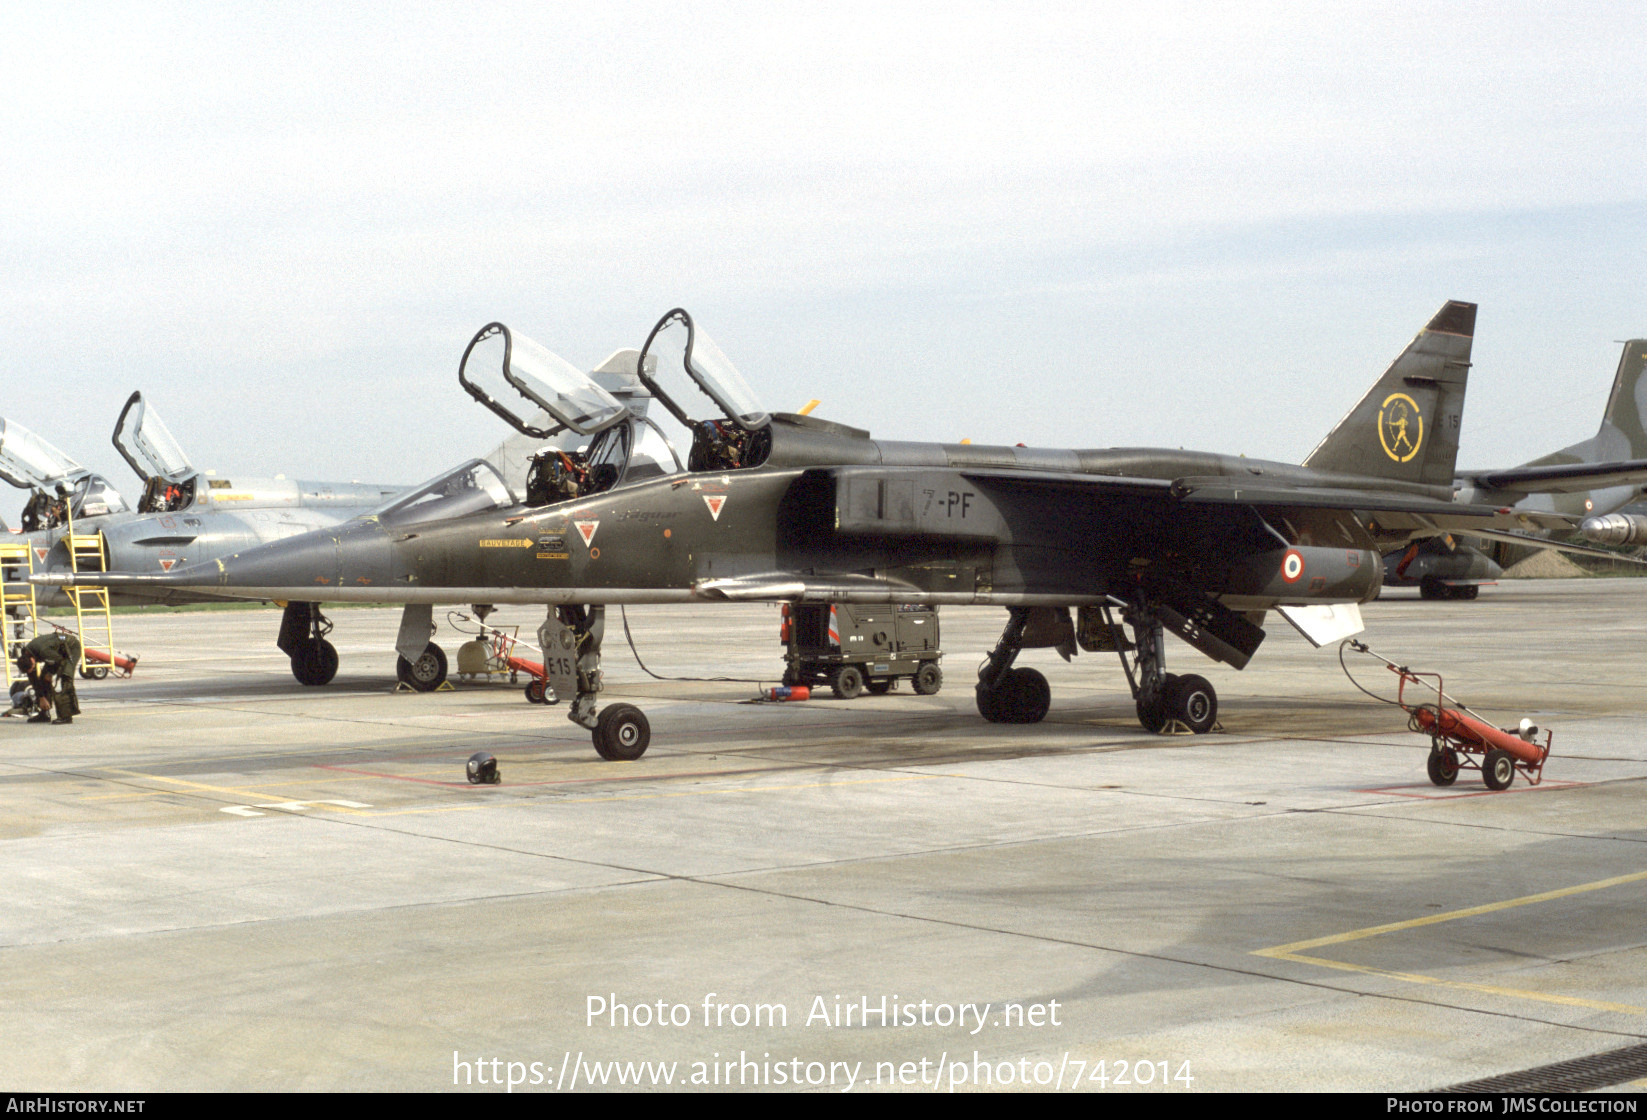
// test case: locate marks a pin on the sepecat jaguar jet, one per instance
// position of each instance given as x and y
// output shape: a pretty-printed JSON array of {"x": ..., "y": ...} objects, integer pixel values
[{"x": 1101, "y": 550}]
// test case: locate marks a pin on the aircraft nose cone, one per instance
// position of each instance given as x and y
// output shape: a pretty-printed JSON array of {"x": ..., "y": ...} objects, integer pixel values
[{"x": 350, "y": 555}]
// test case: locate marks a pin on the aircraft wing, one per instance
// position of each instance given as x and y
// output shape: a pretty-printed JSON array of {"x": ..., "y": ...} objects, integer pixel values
[
  {"x": 1562, "y": 478},
  {"x": 1223, "y": 490}
]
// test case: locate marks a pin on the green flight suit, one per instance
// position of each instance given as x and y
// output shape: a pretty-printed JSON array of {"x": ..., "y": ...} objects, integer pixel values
[{"x": 59, "y": 655}]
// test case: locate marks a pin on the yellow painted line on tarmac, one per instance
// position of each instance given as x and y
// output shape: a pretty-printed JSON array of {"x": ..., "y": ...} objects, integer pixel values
[
  {"x": 203, "y": 788},
  {"x": 137, "y": 795},
  {"x": 1295, "y": 950}
]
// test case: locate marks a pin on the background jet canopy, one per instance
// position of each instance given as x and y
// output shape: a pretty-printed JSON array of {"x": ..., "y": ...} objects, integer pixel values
[
  {"x": 473, "y": 487},
  {"x": 139, "y": 433},
  {"x": 28, "y": 461}
]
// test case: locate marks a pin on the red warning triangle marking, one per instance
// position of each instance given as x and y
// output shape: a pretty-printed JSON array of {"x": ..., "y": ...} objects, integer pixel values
[
  {"x": 714, "y": 502},
  {"x": 166, "y": 565},
  {"x": 586, "y": 529},
  {"x": 41, "y": 553}
]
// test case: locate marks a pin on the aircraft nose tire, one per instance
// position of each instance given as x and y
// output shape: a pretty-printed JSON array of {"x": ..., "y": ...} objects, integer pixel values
[
  {"x": 622, "y": 733},
  {"x": 315, "y": 663},
  {"x": 426, "y": 673}
]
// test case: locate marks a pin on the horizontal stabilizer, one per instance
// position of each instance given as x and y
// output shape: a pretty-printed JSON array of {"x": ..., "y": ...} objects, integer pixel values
[
  {"x": 1562, "y": 478},
  {"x": 1324, "y": 623}
]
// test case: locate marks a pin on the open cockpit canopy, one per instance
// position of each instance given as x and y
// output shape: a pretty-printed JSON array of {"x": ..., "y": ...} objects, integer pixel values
[
  {"x": 146, "y": 444},
  {"x": 676, "y": 344},
  {"x": 498, "y": 357},
  {"x": 29, "y": 462}
]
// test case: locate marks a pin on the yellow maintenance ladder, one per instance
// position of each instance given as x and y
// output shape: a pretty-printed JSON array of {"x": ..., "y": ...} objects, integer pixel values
[
  {"x": 19, "y": 613},
  {"x": 92, "y": 618}
]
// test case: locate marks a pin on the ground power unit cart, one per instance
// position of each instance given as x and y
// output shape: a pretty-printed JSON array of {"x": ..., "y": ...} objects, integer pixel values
[{"x": 858, "y": 647}]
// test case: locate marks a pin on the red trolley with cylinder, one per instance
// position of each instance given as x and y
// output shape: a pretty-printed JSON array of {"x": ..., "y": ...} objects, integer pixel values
[{"x": 1460, "y": 739}]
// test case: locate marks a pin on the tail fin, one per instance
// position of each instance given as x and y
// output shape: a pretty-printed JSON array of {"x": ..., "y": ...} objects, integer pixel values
[
  {"x": 1406, "y": 427},
  {"x": 1623, "y": 431}
]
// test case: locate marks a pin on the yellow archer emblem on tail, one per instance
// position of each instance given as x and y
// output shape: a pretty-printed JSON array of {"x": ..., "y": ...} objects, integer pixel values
[{"x": 1400, "y": 427}]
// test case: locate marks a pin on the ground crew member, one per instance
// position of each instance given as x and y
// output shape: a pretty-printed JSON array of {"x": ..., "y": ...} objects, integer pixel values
[{"x": 50, "y": 662}]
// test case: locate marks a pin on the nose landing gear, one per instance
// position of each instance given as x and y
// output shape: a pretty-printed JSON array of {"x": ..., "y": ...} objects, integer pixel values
[
  {"x": 571, "y": 638},
  {"x": 303, "y": 631}
]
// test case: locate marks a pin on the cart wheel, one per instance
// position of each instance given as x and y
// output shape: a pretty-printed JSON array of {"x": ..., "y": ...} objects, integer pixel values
[
  {"x": 929, "y": 679},
  {"x": 880, "y": 687},
  {"x": 847, "y": 682},
  {"x": 94, "y": 672},
  {"x": 535, "y": 690},
  {"x": 1498, "y": 769},
  {"x": 622, "y": 733},
  {"x": 1443, "y": 766}
]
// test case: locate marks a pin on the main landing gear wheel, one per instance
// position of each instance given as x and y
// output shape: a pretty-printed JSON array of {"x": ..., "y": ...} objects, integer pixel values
[
  {"x": 929, "y": 679},
  {"x": 1468, "y": 591},
  {"x": 537, "y": 691},
  {"x": 1431, "y": 588},
  {"x": 1443, "y": 766},
  {"x": 1023, "y": 697},
  {"x": 1154, "y": 713},
  {"x": 426, "y": 673},
  {"x": 1498, "y": 769},
  {"x": 315, "y": 663},
  {"x": 847, "y": 682},
  {"x": 1193, "y": 703},
  {"x": 622, "y": 733}
]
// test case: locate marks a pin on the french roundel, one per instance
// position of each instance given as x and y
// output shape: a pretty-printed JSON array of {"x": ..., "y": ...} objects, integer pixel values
[{"x": 1292, "y": 565}]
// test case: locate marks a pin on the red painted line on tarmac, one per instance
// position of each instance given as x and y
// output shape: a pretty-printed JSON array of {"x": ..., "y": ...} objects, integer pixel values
[{"x": 1438, "y": 795}]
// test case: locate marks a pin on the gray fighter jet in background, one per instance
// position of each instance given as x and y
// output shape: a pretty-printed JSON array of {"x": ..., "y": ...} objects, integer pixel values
[
  {"x": 1586, "y": 482},
  {"x": 782, "y": 507},
  {"x": 183, "y": 516}
]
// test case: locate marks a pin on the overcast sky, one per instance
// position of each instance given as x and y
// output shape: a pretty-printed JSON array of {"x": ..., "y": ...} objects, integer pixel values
[{"x": 1199, "y": 225}]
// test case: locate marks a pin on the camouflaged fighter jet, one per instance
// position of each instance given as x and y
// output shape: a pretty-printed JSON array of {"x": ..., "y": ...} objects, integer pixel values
[
  {"x": 1589, "y": 481},
  {"x": 783, "y": 507}
]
